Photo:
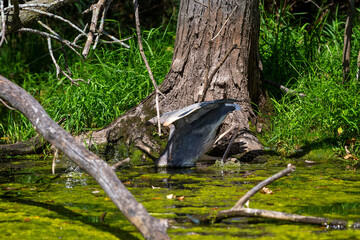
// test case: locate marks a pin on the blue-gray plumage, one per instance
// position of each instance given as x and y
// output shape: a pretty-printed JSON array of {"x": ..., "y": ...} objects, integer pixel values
[{"x": 192, "y": 131}]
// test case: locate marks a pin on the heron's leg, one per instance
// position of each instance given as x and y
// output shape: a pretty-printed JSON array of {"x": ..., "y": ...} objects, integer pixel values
[
  {"x": 224, "y": 133},
  {"x": 235, "y": 133}
]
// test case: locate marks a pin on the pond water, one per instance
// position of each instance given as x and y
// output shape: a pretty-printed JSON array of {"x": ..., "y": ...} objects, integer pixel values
[{"x": 34, "y": 204}]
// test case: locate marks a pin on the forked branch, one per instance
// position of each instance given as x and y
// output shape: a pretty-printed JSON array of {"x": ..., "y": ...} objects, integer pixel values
[{"x": 240, "y": 211}]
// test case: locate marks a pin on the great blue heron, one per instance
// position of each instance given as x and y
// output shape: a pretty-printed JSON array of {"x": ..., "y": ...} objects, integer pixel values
[{"x": 192, "y": 131}]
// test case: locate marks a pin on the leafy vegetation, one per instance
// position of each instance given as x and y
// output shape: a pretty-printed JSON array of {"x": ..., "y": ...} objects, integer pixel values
[
  {"x": 303, "y": 55},
  {"x": 118, "y": 81},
  {"x": 308, "y": 59}
]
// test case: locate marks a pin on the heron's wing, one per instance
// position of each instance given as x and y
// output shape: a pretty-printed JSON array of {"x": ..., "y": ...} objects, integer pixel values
[
  {"x": 193, "y": 110},
  {"x": 170, "y": 117}
]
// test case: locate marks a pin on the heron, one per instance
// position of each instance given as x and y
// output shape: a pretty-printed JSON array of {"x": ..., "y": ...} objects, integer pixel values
[{"x": 192, "y": 131}]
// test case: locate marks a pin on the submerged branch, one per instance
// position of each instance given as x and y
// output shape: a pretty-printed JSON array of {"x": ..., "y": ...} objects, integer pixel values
[{"x": 150, "y": 227}]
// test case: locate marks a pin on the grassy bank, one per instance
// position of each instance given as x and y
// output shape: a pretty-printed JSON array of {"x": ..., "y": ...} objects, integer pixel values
[
  {"x": 304, "y": 56},
  {"x": 307, "y": 58}
]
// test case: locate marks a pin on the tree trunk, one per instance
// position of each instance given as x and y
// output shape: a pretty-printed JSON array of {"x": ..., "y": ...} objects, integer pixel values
[{"x": 215, "y": 57}]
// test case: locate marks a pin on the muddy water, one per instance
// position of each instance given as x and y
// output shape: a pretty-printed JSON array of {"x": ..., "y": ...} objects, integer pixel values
[{"x": 34, "y": 204}]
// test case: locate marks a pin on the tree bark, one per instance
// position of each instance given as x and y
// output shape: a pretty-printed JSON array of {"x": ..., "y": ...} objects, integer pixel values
[
  {"x": 150, "y": 227},
  {"x": 25, "y": 18},
  {"x": 215, "y": 57}
]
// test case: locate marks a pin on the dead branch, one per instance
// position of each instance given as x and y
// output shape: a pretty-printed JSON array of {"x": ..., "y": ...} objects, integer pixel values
[
  {"x": 157, "y": 91},
  {"x": 226, "y": 21},
  {"x": 150, "y": 227},
  {"x": 347, "y": 42},
  {"x": 250, "y": 212},
  {"x": 102, "y": 22},
  {"x": 59, "y": 70},
  {"x": 57, "y": 38},
  {"x": 26, "y": 17},
  {"x": 116, "y": 40},
  {"x": 240, "y": 211},
  {"x": 56, "y": 17},
  {"x": 118, "y": 164},
  {"x": 95, "y": 8},
  {"x": 3, "y": 23},
  {"x": 264, "y": 183}
]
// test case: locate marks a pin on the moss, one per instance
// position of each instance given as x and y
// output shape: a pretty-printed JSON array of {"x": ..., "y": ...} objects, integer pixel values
[{"x": 35, "y": 204}]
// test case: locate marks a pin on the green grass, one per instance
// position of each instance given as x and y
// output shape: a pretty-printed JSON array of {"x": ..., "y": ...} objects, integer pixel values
[
  {"x": 304, "y": 56},
  {"x": 118, "y": 81},
  {"x": 308, "y": 59}
]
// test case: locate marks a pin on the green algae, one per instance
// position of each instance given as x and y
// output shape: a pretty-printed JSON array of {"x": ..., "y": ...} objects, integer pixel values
[{"x": 70, "y": 205}]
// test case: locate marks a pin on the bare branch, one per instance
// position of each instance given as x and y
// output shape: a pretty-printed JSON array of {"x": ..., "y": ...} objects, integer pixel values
[
  {"x": 102, "y": 22},
  {"x": 250, "y": 212},
  {"x": 226, "y": 21},
  {"x": 118, "y": 164},
  {"x": 116, "y": 40},
  {"x": 6, "y": 105},
  {"x": 58, "y": 69},
  {"x": 264, "y": 183},
  {"x": 56, "y": 17},
  {"x": 3, "y": 22},
  {"x": 157, "y": 91},
  {"x": 94, "y": 19},
  {"x": 150, "y": 227},
  {"x": 44, "y": 34}
]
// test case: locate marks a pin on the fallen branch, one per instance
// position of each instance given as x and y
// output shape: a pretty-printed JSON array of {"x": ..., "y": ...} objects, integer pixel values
[
  {"x": 240, "y": 211},
  {"x": 264, "y": 183},
  {"x": 150, "y": 227}
]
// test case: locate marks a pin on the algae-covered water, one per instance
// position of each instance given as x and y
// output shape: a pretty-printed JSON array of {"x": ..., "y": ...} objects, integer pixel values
[{"x": 34, "y": 204}]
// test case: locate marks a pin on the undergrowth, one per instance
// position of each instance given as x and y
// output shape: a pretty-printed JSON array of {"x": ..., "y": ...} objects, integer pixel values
[
  {"x": 308, "y": 59},
  {"x": 118, "y": 80},
  {"x": 304, "y": 56}
]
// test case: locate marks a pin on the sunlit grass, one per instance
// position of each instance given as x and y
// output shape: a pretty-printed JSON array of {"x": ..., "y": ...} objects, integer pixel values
[
  {"x": 118, "y": 80},
  {"x": 309, "y": 60}
]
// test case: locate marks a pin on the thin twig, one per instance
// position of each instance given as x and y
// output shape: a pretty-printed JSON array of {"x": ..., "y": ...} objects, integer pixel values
[
  {"x": 44, "y": 34},
  {"x": 264, "y": 183},
  {"x": 226, "y": 21},
  {"x": 200, "y": 3},
  {"x": 209, "y": 79},
  {"x": 58, "y": 69},
  {"x": 80, "y": 35},
  {"x": 116, "y": 40},
  {"x": 3, "y": 22},
  {"x": 56, "y": 17},
  {"x": 157, "y": 91},
  {"x": 6, "y": 105},
  {"x": 282, "y": 87},
  {"x": 102, "y": 22},
  {"x": 118, "y": 164},
  {"x": 237, "y": 129}
]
